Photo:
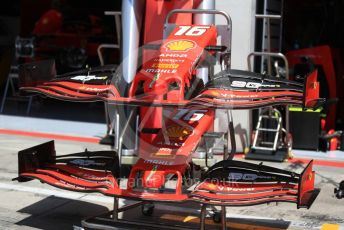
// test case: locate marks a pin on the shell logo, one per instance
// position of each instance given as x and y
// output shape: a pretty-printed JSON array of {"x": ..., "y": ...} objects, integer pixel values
[
  {"x": 180, "y": 45},
  {"x": 178, "y": 132}
]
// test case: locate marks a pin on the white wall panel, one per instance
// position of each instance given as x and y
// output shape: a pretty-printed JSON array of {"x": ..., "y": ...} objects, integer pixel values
[{"x": 242, "y": 13}]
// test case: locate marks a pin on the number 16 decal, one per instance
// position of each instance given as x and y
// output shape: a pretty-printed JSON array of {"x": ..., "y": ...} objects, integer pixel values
[
  {"x": 191, "y": 30},
  {"x": 190, "y": 115}
]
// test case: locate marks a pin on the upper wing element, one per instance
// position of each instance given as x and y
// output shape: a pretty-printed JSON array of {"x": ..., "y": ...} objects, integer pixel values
[
  {"x": 83, "y": 85},
  {"x": 230, "y": 89},
  {"x": 237, "y": 89}
]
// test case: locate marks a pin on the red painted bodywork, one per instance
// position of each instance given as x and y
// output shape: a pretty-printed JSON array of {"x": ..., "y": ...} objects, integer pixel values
[
  {"x": 157, "y": 86},
  {"x": 156, "y": 12},
  {"x": 322, "y": 56},
  {"x": 333, "y": 141},
  {"x": 313, "y": 89}
]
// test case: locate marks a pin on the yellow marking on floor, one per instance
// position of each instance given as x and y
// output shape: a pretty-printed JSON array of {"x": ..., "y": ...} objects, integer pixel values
[
  {"x": 330, "y": 227},
  {"x": 210, "y": 222},
  {"x": 189, "y": 218}
]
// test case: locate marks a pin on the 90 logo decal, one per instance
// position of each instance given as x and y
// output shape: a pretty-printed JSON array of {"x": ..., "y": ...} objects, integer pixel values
[
  {"x": 252, "y": 85},
  {"x": 244, "y": 84}
]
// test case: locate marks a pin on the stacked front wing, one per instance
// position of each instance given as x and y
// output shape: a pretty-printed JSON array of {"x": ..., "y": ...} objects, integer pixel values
[
  {"x": 230, "y": 89},
  {"x": 237, "y": 89},
  {"x": 82, "y": 86},
  {"x": 234, "y": 183},
  {"x": 81, "y": 172},
  {"x": 227, "y": 183}
]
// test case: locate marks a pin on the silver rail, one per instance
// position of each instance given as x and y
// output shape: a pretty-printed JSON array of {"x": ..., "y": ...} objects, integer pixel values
[
  {"x": 281, "y": 56},
  {"x": 199, "y": 11},
  {"x": 268, "y": 54},
  {"x": 117, "y": 15},
  {"x": 120, "y": 147},
  {"x": 268, "y": 19}
]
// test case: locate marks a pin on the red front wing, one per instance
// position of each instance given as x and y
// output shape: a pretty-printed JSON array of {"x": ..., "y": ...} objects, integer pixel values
[
  {"x": 228, "y": 183},
  {"x": 306, "y": 95}
]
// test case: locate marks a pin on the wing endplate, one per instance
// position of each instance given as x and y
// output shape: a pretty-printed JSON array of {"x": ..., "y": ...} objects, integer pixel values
[{"x": 311, "y": 91}]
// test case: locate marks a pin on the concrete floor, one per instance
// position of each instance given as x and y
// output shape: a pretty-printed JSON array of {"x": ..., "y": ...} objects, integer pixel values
[{"x": 33, "y": 205}]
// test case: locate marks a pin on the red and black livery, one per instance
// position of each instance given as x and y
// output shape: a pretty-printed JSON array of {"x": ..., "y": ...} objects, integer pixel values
[{"x": 162, "y": 89}]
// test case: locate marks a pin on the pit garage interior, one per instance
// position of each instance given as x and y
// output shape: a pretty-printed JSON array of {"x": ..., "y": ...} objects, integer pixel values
[{"x": 285, "y": 39}]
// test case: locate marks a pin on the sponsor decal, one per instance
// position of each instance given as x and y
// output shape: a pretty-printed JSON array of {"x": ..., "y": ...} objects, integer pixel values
[
  {"x": 230, "y": 189},
  {"x": 143, "y": 194},
  {"x": 165, "y": 66},
  {"x": 215, "y": 93},
  {"x": 179, "y": 45},
  {"x": 88, "y": 77},
  {"x": 90, "y": 176},
  {"x": 171, "y": 143},
  {"x": 223, "y": 188},
  {"x": 68, "y": 185},
  {"x": 231, "y": 95},
  {"x": 190, "y": 115},
  {"x": 212, "y": 186},
  {"x": 168, "y": 60},
  {"x": 178, "y": 132},
  {"x": 173, "y": 55},
  {"x": 165, "y": 153},
  {"x": 92, "y": 89},
  {"x": 158, "y": 162},
  {"x": 251, "y": 85},
  {"x": 82, "y": 162},
  {"x": 247, "y": 176},
  {"x": 168, "y": 71}
]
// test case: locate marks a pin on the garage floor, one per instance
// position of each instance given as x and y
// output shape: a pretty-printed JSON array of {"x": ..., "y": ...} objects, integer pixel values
[{"x": 34, "y": 205}]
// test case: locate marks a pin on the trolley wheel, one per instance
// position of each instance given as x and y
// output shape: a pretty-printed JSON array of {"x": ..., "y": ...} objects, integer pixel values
[
  {"x": 147, "y": 209},
  {"x": 217, "y": 217},
  {"x": 339, "y": 192}
]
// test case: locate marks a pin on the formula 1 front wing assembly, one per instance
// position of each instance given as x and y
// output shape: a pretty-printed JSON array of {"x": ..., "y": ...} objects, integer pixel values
[
  {"x": 229, "y": 89},
  {"x": 236, "y": 183},
  {"x": 227, "y": 183}
]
